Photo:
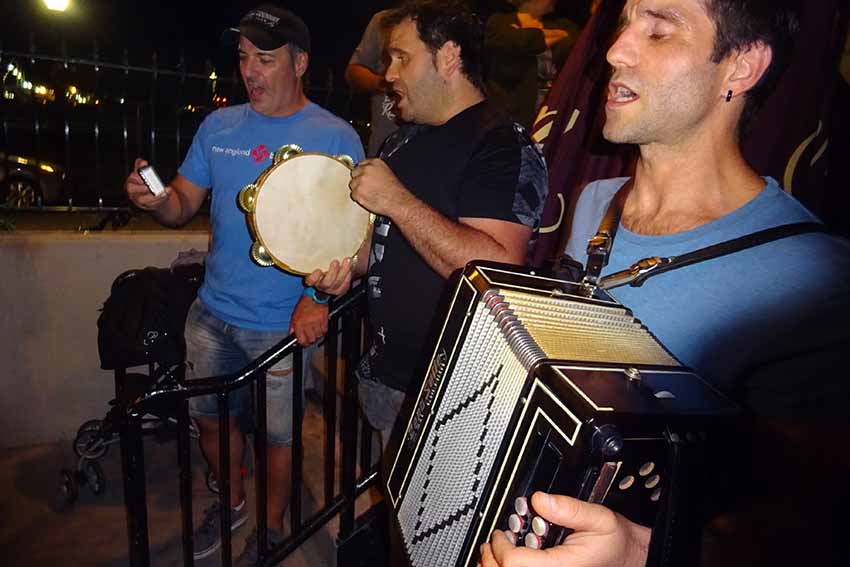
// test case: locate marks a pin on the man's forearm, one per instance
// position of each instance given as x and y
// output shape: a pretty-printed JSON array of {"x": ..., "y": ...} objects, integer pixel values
[
  {"x": 362, "y": 78},
  {"x": 175, "y": 212},
  {"x": 445, "y": 244}
]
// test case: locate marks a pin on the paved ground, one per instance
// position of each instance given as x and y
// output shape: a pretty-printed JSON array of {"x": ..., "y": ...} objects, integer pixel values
[{"x": 35, "y": 530}]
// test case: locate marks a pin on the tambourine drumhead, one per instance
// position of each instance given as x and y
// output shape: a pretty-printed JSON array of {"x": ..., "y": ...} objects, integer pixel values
[{"x": 304, "y": 215}]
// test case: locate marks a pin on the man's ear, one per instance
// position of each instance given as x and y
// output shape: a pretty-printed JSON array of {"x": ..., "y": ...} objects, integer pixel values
[
  {"x": 302, "y": 61},
  {"x": 448, "y": 59},
  {"x": 748, "y": 66}
]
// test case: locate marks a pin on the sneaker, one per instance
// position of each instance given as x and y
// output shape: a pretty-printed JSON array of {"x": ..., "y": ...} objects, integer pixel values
[
  {"x": 251, "y": 553},
  {"x": 207, "y": 538}
]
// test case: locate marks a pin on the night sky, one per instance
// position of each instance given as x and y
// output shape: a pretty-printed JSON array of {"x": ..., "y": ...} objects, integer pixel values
[
  {"x": 192, "y": 27},
  {"x": 189, "y": 26}
]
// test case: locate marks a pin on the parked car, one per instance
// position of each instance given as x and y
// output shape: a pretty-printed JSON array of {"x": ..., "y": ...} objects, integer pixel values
[{"x": 29, "y": 182}]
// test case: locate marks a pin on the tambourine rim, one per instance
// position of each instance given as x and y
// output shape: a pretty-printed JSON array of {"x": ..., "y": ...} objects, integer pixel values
[{"x": 252, "y": 216}]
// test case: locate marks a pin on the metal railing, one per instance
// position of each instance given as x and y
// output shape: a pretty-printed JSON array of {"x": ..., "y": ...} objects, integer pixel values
[
  {"x": 116, "y": 112},
  {"x": 170, "y": 396}
]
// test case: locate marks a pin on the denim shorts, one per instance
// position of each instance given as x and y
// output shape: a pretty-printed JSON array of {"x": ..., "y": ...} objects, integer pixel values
[
  {"x": 216, "y": 348},
  {"x": 380, "y": 403}
]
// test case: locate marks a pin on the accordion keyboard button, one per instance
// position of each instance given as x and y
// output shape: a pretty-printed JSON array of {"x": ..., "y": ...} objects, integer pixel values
[
  {"x": 539, "y": 526},
  {"x": 533, "y": 541},
  {"x": 521, "y": 506},
  {"x": 511, "y": 537},
  {"x": 516, "y": 523}
]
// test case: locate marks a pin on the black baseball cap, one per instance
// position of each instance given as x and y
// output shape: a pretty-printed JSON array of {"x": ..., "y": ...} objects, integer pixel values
[{"x": 269, "y": 26}]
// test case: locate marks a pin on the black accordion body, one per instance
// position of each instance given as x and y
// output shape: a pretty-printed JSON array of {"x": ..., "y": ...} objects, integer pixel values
[{"x": 533, "y": 386}]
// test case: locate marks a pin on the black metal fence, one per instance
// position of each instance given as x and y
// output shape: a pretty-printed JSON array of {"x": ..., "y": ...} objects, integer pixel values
[
  {"x": 72, "y": 126},
  {"x": 344, "y": 341}
]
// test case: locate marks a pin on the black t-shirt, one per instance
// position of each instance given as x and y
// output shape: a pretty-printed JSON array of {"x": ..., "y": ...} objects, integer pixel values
[{"x": 479, "y": 164}]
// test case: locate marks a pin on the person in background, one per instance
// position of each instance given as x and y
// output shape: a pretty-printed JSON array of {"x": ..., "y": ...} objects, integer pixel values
[
  {"x": 524, "y": 50},
  {"x": 365, "y": 72}
]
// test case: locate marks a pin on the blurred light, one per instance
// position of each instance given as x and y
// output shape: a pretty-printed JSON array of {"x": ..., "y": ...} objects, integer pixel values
[
  {"x": 213, "y": 76},
  {"x": 57, "y": 5},
  {"x": 40, "y": 89},
  {"x": 27, "y": 85},
  {"x": 8, "y": 95},
  {"x": 72, "y": 89},
  {"x": 22, "y": 161},
  {"x": 46, "y": 168},
  {"x": 122, "y": 101},
  {"x": 11, "y": 67}
]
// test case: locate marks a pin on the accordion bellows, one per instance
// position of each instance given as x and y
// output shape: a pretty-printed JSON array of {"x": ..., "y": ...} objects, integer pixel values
[{"x": 508, "y": 369}]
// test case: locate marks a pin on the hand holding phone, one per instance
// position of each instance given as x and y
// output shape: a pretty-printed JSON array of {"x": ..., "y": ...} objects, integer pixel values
[{"x": 152, "y": 180}]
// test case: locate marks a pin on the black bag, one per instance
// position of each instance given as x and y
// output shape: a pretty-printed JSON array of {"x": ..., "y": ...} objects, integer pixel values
[{"x": 142, "y": 321}]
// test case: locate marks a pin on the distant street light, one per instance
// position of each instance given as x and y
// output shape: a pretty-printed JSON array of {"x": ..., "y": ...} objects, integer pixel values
[{"x": 57, "y": 5}]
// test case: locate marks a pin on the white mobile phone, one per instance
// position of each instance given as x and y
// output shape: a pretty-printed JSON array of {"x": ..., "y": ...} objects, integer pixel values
[{"x": 152, "y": 180}]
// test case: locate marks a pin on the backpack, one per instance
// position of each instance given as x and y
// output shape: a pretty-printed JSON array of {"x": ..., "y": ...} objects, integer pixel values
[{"x": 143, "y": 318}]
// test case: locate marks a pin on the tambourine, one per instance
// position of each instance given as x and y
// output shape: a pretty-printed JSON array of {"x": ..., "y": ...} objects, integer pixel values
[{"x": 301, "y": 214}]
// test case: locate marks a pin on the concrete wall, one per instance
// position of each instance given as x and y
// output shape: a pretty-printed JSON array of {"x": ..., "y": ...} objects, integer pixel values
[{"x": 52, "y": 285}]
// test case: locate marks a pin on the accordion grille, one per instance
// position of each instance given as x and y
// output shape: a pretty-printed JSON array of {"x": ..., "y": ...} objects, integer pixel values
[
  {"x": 460, "y": 448},
  {"x": 573, "y": 330}
]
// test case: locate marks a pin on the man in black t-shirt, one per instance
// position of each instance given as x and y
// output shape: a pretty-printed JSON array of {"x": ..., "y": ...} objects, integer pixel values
[{"x": 459, "y": 182}]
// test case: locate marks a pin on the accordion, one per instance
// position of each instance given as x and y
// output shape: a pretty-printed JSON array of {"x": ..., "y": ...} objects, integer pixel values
[{"x": 534, "y": 386}]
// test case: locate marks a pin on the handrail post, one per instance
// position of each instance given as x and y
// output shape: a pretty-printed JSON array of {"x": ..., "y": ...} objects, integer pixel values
[
  {"x": 261, "y": 467},
  {"x": 329, "y": 398},
  {"x": 133, "y": 463},
  {"x": 297, "y": 444},
  {"x": 224, "y": 477},
  {"x": 185, "y": 465},
  {"x": 351, "y": 339}
]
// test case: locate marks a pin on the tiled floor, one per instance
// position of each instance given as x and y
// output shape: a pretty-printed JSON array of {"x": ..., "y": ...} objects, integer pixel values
[{"x": 34, "y": 530}]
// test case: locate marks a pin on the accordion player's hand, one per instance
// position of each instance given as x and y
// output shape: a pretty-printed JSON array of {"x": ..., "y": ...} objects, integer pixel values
[{"x": 600, "y": 538}]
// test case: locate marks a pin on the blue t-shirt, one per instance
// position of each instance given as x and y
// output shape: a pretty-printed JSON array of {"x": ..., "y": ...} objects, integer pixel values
[
  {"x": 731, "y": 316},
  {"x": 231, "y": 148}
]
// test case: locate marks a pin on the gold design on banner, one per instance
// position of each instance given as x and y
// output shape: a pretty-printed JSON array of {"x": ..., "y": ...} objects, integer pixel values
[
  {"x": 557, "y": 225},
  {"x": 544, "y": 113},
  {"x": 791, "y": 168},
  {"x": 573, "y": 119},
  {"x": 820, "y": 152},
  {"x": 542, "y": 133}
]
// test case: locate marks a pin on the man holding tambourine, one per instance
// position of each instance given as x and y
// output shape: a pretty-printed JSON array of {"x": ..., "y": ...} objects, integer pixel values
[{"x": 244, "y": 309}]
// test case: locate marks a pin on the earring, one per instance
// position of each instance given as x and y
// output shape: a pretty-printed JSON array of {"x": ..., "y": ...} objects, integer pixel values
[{"x": 729, "y": 96}]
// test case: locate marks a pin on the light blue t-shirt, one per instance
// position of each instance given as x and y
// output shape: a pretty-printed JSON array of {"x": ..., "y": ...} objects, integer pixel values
[
  {"x": 730, "y": 316},
  {"x": 231, "y": 148}
]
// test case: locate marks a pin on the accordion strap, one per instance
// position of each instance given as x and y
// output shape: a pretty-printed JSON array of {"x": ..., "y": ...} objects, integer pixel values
[
  {"x": 599, "y": 246},
  {"x": 641, "y": 271}
]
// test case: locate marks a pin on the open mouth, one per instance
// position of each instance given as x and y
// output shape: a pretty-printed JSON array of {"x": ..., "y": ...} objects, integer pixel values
[
  {"x": 619, "y": 93},
  {"x": 255, "y": 92}
]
